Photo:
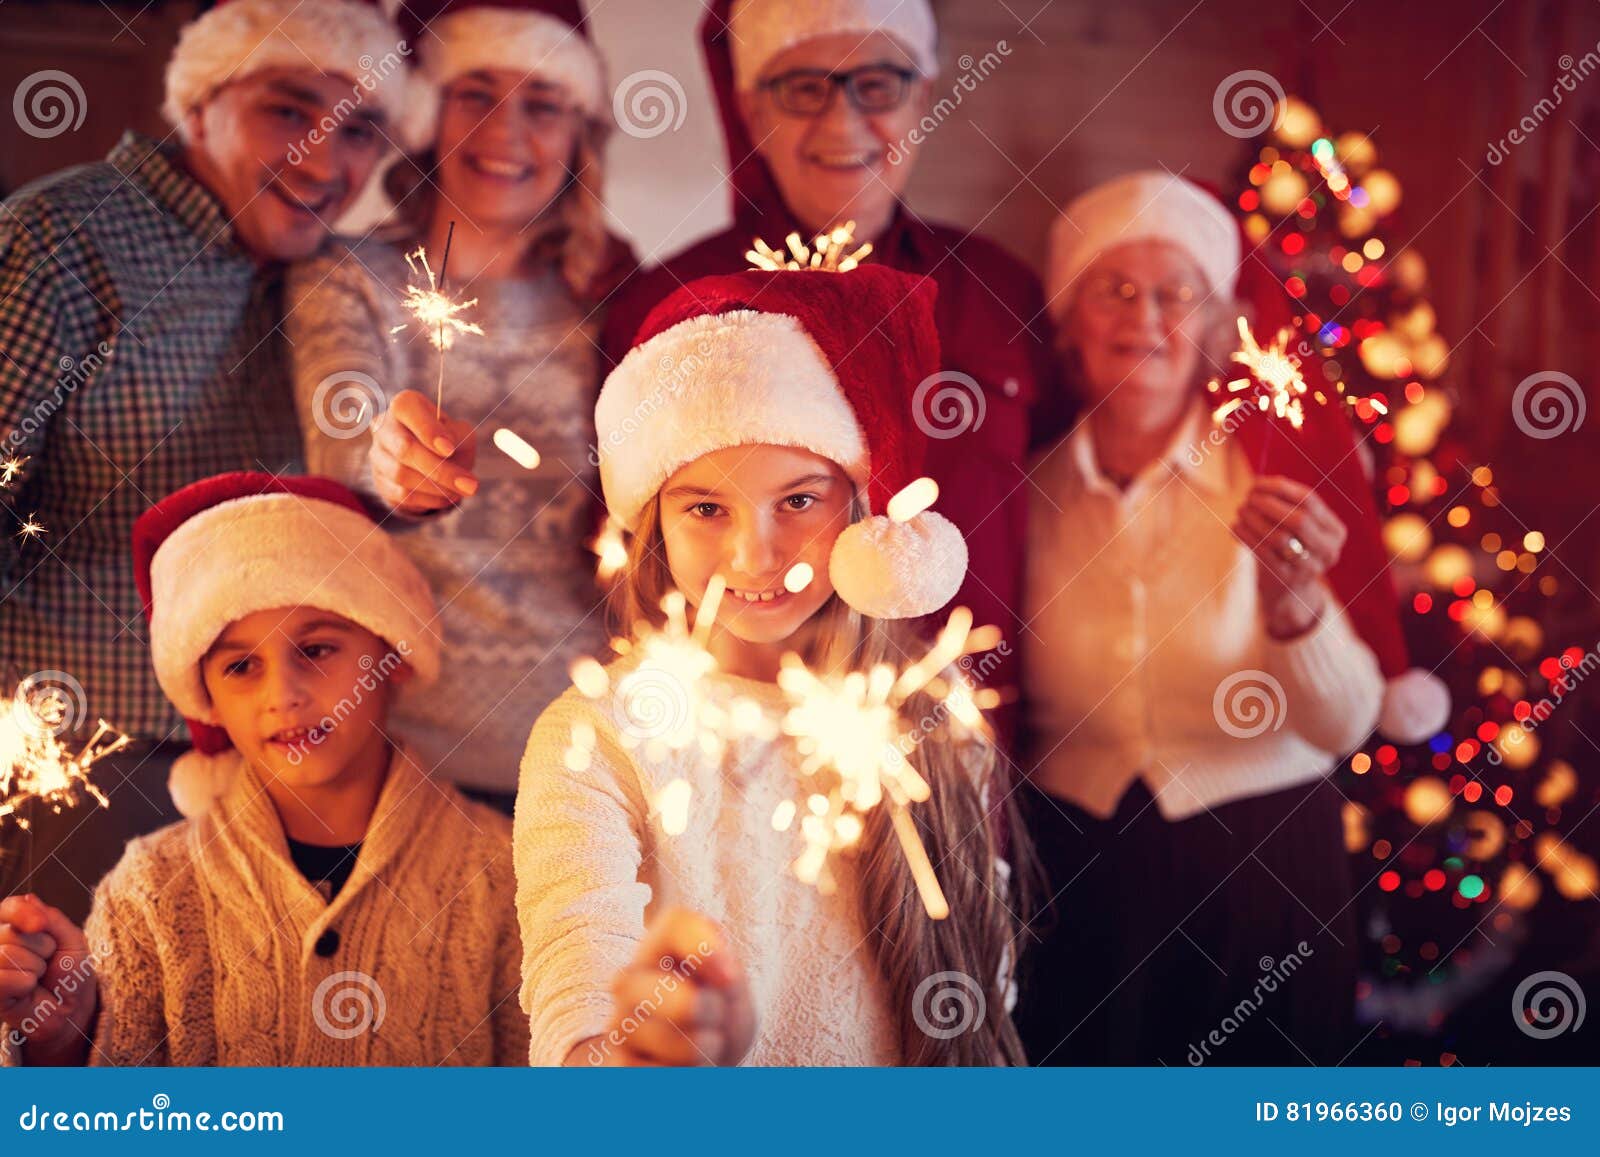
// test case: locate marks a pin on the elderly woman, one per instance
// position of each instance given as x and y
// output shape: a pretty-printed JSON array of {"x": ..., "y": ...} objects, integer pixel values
[
  {"x": 508, "y": 151},
  {"x": 1198, "y": 667}
]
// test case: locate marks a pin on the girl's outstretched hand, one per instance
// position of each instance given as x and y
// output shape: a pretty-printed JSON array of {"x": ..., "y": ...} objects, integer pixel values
[{"x": 683, "y": 1001}]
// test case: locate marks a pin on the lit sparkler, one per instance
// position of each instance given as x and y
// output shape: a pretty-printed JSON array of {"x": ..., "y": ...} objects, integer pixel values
[
  {"x": 828, "y": 251},
  {"x": 35, "y": 764},
  {"x": 436, "y": 311},
  {"x": 663, "y": 700},
  {"x": 855, "y": 744}
]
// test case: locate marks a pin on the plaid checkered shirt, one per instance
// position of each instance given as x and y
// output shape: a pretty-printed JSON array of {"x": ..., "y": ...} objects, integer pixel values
[{"x": 138, "y": 353}]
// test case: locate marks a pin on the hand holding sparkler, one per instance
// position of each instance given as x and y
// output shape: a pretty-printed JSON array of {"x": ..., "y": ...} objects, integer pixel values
[
  {"x": 39, "y": 950},
  {"x": 1296, "y": 540},
  {"x": 422, "y": 460},
  {"x": 683, "y": 1001}
]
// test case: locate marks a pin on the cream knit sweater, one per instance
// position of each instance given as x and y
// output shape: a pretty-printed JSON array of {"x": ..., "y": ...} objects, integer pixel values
[
  {"x": 593, "y": 863},
  {"x": 208, "y": 938}
]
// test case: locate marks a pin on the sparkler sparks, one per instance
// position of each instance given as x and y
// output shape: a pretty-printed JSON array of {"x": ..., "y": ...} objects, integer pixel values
[
  {"x": 10, "y": 468},
  {"x": 664, "y": 702},
  {"x": 10, "y": 471},
  {"x": 436, "y": 311},
  {"x": 854, "y": 744},
  {"x": 36, "y": 765},
  {"x": 1278, "y": 373},
  {"x": 828, "y": 252}
]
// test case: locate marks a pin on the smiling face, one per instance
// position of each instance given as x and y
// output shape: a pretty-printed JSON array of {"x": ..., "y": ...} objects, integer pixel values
[
  {"x": 291, "y": 688},
  {"x": 1139, "y": 323},
  {"x": 750, "y": 514},
  {"x": 251, "y": 144},
  {"x": 840, "y": 164},
  {"x": 505, "y": 146}
]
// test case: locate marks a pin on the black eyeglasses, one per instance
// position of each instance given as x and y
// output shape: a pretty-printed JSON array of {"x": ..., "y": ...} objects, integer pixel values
[{"x": 873, "y": 88}]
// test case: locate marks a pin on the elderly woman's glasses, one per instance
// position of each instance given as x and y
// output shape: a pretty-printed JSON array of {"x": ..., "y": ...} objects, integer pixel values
[
  {"x": 874, "y": 88},
  {"x": 1107, "y": 293}
]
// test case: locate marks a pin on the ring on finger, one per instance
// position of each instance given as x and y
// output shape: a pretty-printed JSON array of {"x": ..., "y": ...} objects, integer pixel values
[{"x": 1295, "y": 551}]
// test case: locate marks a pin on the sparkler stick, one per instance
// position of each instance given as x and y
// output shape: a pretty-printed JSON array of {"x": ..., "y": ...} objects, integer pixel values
[{"x": 435, "y": 311}]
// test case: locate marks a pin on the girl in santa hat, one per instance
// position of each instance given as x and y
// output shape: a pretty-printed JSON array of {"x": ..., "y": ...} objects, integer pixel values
[
  {"x": 762, "y": 421},
  {"x": 824, "y": 108},
  {"x": 505, "y": 150},
  {"x": 1214, "y": 622}
]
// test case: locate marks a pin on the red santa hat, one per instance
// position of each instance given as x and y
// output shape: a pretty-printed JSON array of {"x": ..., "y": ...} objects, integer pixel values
[
  {"x": 543, "y": 38},
  {"x": 1321, "y": 454},
  {"x": 350, "y": 38},
  {"x": 228, "y": 546},
  {"x": 761, "y": 29},
  {"x": 827, "y": 362}
]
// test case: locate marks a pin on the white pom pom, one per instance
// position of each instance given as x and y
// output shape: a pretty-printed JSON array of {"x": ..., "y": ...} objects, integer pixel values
[
  {"x": 196, "y": 780},
  {"x": 898, "y": 570},
  {"x": 1416, "y": 707}
]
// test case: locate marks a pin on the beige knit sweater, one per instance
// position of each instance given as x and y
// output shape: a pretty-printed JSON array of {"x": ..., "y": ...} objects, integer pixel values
[
  {"x": 209, "y": 940},
  {"x": 593, "y": 863}
]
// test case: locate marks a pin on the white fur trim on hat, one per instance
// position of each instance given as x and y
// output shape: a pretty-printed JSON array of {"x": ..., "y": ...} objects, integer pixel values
[
  {"x": 197, "y": 781},
  {"x": 898, "y": 570},
  {"x": 1148, "y": 206},
  {"x": 761, "y": 29},
  {"x": 279, "y": 550},
  {"x": 340, "y": 37},
  {"x": 709, "y": 383},
  {"x": 1416, "y": 707},
  {"x": 534, "y": 44}
]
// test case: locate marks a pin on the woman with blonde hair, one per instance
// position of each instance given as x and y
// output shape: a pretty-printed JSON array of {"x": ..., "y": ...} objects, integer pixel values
[{"x": 504, "y": 167}]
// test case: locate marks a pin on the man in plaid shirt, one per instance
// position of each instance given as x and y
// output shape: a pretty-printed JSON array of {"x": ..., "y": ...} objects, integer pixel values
[{"x": 139, "y": 352}]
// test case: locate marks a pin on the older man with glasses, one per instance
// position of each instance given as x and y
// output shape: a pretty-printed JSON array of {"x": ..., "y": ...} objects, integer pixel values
[{"x": 824, "y": 110}]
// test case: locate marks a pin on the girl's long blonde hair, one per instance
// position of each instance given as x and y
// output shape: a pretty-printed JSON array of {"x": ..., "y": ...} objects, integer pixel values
[
  {"x": 980, "y": 937},
  {"x": 571, "y": 234}
]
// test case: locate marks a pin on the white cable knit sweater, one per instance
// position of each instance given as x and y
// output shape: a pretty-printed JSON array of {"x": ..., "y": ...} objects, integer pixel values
[
  {"x": 210, "y": 937},
  {"x": 593, "y": 863}
]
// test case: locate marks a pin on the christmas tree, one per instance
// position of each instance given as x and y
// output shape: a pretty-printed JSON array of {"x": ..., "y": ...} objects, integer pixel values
[{"x": 1469, "y": 885}]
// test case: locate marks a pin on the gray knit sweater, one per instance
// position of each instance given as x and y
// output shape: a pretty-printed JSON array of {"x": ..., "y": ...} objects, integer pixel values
[{"x": 510, "y": 567}]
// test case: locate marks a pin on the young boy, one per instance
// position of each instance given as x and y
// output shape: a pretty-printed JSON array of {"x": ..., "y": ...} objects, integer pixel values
[
  {"x": 324, "y": 903},
  {"x": 140, "y": 304}
]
